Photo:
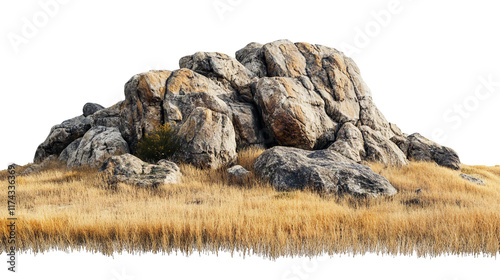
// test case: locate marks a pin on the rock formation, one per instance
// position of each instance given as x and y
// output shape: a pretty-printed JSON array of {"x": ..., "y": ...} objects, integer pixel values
[{"x": 299, "y": 95}]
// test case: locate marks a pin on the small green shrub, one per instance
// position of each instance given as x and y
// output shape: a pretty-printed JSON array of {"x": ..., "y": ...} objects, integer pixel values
[{"x": 161, "y": 143}]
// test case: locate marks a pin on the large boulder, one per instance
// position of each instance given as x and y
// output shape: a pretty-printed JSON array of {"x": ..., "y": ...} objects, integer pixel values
[
  {"x": 61, "y": 136},
  {"x": 95, "y": 147},
  {"x": 143, "y": 112},
  {"x": 419, "y": 148},
  {"x": 110, "y": 117},
  {"x": 207, "y": 139},
  {"x": 129, "y": 169},
  {"x": 294, "y": 113},
  {"x": 327, "y": 171}
]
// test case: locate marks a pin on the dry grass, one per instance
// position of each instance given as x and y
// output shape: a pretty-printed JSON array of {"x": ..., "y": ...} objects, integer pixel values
[{"x": 74, "y": 209}]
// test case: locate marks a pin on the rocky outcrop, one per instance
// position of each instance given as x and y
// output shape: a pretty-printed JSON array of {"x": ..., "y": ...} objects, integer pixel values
[
  {"x": 299, "y": 95},
  {"x": 129, "y": 169},
  {"x": 95, "y": 147},
  {"x": 323, "y": 170},
  {"x": 207, "y": 139}
]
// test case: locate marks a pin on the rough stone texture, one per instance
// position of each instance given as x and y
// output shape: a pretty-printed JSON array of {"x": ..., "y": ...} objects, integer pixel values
[
  {"x": 207, "y": 139},
  {"x": 238, "y": 171},
  {"x": 380, "y": 149},
  {"x": 187, "y": 90},
  {"x": 129, "y": 169},
  {"x": 61, "y": 136},
  {"x": 330, "y": 76},
  {"x": 349, "y": 142},
  {"x": 227, "y": 71},
  {"x": 423, "y": 149},
  {"x": 283, "y": 59},
  {"x": 96, "y": 146},
  {"x": 402, "y": 142},
  {"x": 91, "y": 108},
  {"x": 472, "y": 179},
  {"x": 253, "y": 58},
  {"x": 110, "y": 117},
  {"x": 70, "y": 150},
  {"x": 294, "y": 113},
  {"x": 290, "y": 168},
  {"x": 142, "y": 110}
]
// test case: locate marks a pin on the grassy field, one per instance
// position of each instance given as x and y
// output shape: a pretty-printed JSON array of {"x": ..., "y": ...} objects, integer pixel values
[{"x": 208, "y": 212}]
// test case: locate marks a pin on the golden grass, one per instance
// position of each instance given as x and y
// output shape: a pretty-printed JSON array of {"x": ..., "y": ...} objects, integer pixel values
[{"x": 208, "y": 212}]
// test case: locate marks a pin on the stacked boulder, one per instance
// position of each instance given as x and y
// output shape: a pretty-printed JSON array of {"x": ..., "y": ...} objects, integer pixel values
[{"x": 298, "y": 95}]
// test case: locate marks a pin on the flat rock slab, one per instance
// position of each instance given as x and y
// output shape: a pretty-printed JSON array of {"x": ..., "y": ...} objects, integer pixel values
[
  {"x": 289, "y": 168},
  {"x": 472, "y": 179}
]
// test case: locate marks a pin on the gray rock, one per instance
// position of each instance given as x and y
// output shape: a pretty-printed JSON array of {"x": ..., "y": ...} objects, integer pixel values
[
  {"x": 61, "y": 136},
  {"x": 253, "y": 58},
  {"x": 238, "y": 171},
  {"x": 36, "y": 168},
  {"x": 129, "y": 169},
  {"x": 91, "y": 108},
  {"x": 423, "y": 149},
  {"x": 207, "y": 139},
  {"x": 96, "y": 146},
  {"x": 290, "y": 168},
  {"x": 227, "y": 71},
  {"x": 380, "y": 149},
  {"x": 70, "y": 150},
  {"x": 283, "y": 59},
  {"x": 349, "y": 142},
  {"x": 472, "y": 179},
  {"x": 110, "y": 117}
]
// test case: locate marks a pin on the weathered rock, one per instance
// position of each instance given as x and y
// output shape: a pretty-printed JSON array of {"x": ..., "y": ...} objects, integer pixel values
[
  {"x": 290, "y": 168},
  {"x": 349, "y": 142},
  {"x": 142, "y": 112},
  {"x": 110, "y": 117},
  {"x": 472, "y": 179},
  {"x": 187, "y": 90},
  {"x": 129, "y": 169},
  {"x": 423, "y": 149},
  {"x": 402, "y": 142},
  {"x": 294, "y": 113},
  {"x": 238, "y": 171},
  {"x": 283, "y": 59},
  {"x": 70, "y": 150},
  {"x": 253, "y": 58},
  {"x": 371, "y": 116},
  {"x": 207, "y": 139},
  {"x": 61, "y": 136},
  {"x": 91, "y": 108},
  {"x": 229, "y": 72},
  {"x": 327, "y": 70},
  {"x": 380, "y": 149},
  {"x": 96, "y": 146}
]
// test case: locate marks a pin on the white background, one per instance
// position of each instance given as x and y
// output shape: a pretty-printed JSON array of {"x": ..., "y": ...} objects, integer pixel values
[{"x": 424, "y": 61}]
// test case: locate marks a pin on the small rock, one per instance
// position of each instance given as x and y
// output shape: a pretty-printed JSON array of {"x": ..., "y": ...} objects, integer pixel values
[
  {"x": 472, "y": 179},
  {"x": 91, "y": 108},
  {"x": 238, "y": 171},
  {"x": 130, "y": 169}
]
